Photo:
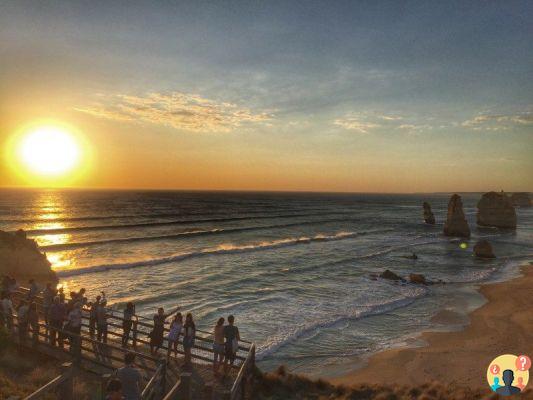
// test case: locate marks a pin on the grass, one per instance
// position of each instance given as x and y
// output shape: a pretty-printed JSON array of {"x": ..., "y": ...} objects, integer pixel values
[
  {"x": 22, "y": 372},
  {"x": 281, "y": 385}
]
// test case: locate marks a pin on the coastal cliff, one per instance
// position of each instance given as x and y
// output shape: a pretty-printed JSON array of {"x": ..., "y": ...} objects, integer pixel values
[
  {"x": 20, "y": 258},
  {"x": 456, "y": 224},
  {"x": 496, "y": 210}
]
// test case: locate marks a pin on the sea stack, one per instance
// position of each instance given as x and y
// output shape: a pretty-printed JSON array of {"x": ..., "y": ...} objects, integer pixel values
[
  {"x": 521, "y": 199},
  {"x": 429, "y": 218},
  {"x": 21, "y": 258},
  {"x": 496, "y": 210},
  {"x": 456, "y": 224},
  {"x": 483, "y": 249}
]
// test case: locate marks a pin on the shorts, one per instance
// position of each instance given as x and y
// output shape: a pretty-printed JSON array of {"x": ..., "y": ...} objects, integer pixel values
[
  {"x": 230, "y": 354},
  {"x": 219, "y": 348}
]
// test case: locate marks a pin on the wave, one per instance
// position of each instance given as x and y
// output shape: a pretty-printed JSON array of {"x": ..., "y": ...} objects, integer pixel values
[
  {"x": 371, "y": 310},
  {"x": 46, "y": 231},
  {"x": 181, "y": 235},
  {"x": 222, "y": 249}
]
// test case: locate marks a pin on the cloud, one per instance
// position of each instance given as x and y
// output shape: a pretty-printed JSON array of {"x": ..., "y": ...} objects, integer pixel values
[
  {"x": 499, "y": 122},
  {"x": 355, "y": 124},
  {"x": 176, "y": 109}
]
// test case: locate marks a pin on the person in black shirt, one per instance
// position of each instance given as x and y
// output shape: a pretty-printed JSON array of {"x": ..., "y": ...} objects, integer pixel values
[{"x": 232, "y": 337}]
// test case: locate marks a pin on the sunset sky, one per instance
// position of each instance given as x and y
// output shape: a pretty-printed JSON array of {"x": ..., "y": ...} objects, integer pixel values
[{"x": 322, "y": 96}]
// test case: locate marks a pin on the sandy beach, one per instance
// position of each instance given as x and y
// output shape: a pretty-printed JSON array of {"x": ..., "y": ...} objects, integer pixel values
[{"x": 503, "y": 325}]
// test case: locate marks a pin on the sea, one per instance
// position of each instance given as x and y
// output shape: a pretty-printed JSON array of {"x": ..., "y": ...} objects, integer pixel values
[{"x": 295, "y": 269}]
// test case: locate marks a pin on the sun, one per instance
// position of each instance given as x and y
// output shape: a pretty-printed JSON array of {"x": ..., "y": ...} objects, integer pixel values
[{"x": 49, "y": 151}]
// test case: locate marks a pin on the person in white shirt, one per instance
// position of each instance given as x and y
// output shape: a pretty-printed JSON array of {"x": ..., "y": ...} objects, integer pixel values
[{"x": 7, "y": 310}]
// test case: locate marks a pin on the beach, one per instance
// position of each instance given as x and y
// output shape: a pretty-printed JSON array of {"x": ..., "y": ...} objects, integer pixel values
[{"x": 504, "y": 325}]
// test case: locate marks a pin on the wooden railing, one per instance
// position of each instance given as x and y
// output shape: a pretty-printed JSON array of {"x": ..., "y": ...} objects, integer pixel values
[
  {"x": 85, "y": 348},
  {"x": 63, "y": 385}
]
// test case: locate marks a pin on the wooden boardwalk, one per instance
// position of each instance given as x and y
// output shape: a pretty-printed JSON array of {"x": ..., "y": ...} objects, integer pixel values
[{"x": 160, "y": 377}]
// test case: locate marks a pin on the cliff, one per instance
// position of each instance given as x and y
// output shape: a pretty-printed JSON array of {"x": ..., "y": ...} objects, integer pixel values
[
  {"x": 497, "y": 210},
  {"x": 20, "y": 258}
]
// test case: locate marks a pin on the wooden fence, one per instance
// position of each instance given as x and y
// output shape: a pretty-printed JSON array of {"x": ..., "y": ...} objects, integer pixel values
[
  {"x": 62, "y": 385},
  {"x": 85, "y": 349}
]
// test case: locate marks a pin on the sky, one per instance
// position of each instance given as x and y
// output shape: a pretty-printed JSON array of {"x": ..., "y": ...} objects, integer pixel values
[{"x": 356, "y": 96}]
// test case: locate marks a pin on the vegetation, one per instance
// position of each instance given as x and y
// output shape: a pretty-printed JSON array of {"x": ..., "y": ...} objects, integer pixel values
[{"x": 281, "y": 385}]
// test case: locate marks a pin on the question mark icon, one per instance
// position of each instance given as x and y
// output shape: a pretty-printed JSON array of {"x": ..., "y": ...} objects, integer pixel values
[
  {"x": 523, "y": 363},
  {"x": 495, "y": 369}
]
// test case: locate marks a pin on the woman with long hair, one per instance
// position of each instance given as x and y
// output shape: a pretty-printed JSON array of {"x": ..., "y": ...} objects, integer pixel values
[
  {"x": 176, "y": 327},
  {"x": 218, "y": 345},
  {"x": 189, "y": 334}
]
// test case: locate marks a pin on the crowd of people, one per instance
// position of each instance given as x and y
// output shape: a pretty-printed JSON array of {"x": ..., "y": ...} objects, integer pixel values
[{"x": 63, "y": 320}]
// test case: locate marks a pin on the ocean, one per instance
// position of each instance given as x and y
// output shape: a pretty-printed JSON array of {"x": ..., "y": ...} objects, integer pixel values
[{"x": 294, "y": 268}]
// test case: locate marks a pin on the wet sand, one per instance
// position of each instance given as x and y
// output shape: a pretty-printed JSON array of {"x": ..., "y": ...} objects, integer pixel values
[{"x": 503, "y": 325}]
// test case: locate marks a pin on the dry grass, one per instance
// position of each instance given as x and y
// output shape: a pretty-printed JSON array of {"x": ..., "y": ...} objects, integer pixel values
[{"x": 281, "y": 385}]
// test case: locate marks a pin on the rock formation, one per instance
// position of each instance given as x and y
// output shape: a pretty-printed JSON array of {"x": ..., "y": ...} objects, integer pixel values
[
  {"x": 521, "y": 199},
  {"x": 429, "y": 218},
  {"x": 387, "y": 274},
  {"x": 483, "y": 249},
  {"x": 456, "y": 224},
  {"x": 21, "y": 258},
  {"x": 418, "y": 278},
  {"x": 497, "y": 210}
]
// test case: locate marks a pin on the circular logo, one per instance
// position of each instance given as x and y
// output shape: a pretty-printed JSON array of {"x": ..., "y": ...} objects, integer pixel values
[{"x": 508, "y": 374}]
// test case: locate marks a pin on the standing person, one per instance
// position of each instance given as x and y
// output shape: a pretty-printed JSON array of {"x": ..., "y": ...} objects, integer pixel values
[
  {"x": 34, "y": 289},
  {"x": 7, "y": 310},
  {"x": 173, "y": 335},
  {"x": 33, "y": 320},
  {"x": 101, "y": 321},
  {"x": 189, "y": 334},
  {"x": 156, "y": 335},
  {"x": 48, "y": 299},
  {"x": 232, "y": 336},
  {"x": 129, "y": 313},
  {"x": 93, "y": 312},
  {"x": 218, "y": 345},
  {"x": 131, "y": 378},
  {"x": 74, "y": 319},
  {"x": 22, "y": 320},
  {"x": 57, "y": 316}
]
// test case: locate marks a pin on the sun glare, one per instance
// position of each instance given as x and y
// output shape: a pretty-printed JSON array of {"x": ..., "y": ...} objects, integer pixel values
[{"x": 49, "y": 151}]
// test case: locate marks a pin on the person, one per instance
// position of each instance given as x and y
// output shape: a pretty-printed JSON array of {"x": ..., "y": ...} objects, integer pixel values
[
  {"x": 508, "y": 389},
  {"x": 232, "y": 337},
  {"x": 173, "y": 335},
  {"x": 73, "y": 324},
  {"x": 101, "y": 321},
  {"x": 127, "y": 322},
  {"x": 218, "y": 345},
  {"x": 57, "y": 316},
  {"x": 33, "y": 321},
  {"x": 34, "y": 289},
  {"x": 520, "y": 384},
  {"x": 130, "y": 377},
  {"x": 189, "y": 335},
  {"x": 61, "y": 294},
  {"x": 48, "y": 299},
  {"x": 22, "y": 320},
  {"x": 156, "y": 335},
  {"x": 7, "y": 310},
  {"x": 114, "y": 390},
  {"x": 496, "y": 384},
  {"x": 93, "y": 312}
]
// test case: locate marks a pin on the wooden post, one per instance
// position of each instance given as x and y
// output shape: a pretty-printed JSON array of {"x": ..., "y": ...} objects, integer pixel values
[
  {"x": 163, "y": 381},
  {"x": 67, "y": 388},
  {"x": 226, "y": 395},
  {"x": 186, "y": 387},
  {"x": 134, "y": 333}
]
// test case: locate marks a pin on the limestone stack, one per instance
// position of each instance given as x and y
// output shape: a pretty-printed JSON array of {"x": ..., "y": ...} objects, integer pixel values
[
  {"x": 521, "y": 199},
  {"x": 496, "y": 210},
  {"x": 483, "y": 249},
  {"x": 456, "y": 224},
  {"x": 429, "y": 218}
]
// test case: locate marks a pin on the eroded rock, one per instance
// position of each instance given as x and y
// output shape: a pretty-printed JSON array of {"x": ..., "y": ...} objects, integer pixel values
[
  {"x": 456, "y": 224},
  {"x": 429, "y": 218},
  {"x": 483, "y": 249},
  {"x": 496, "y": 210}
]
